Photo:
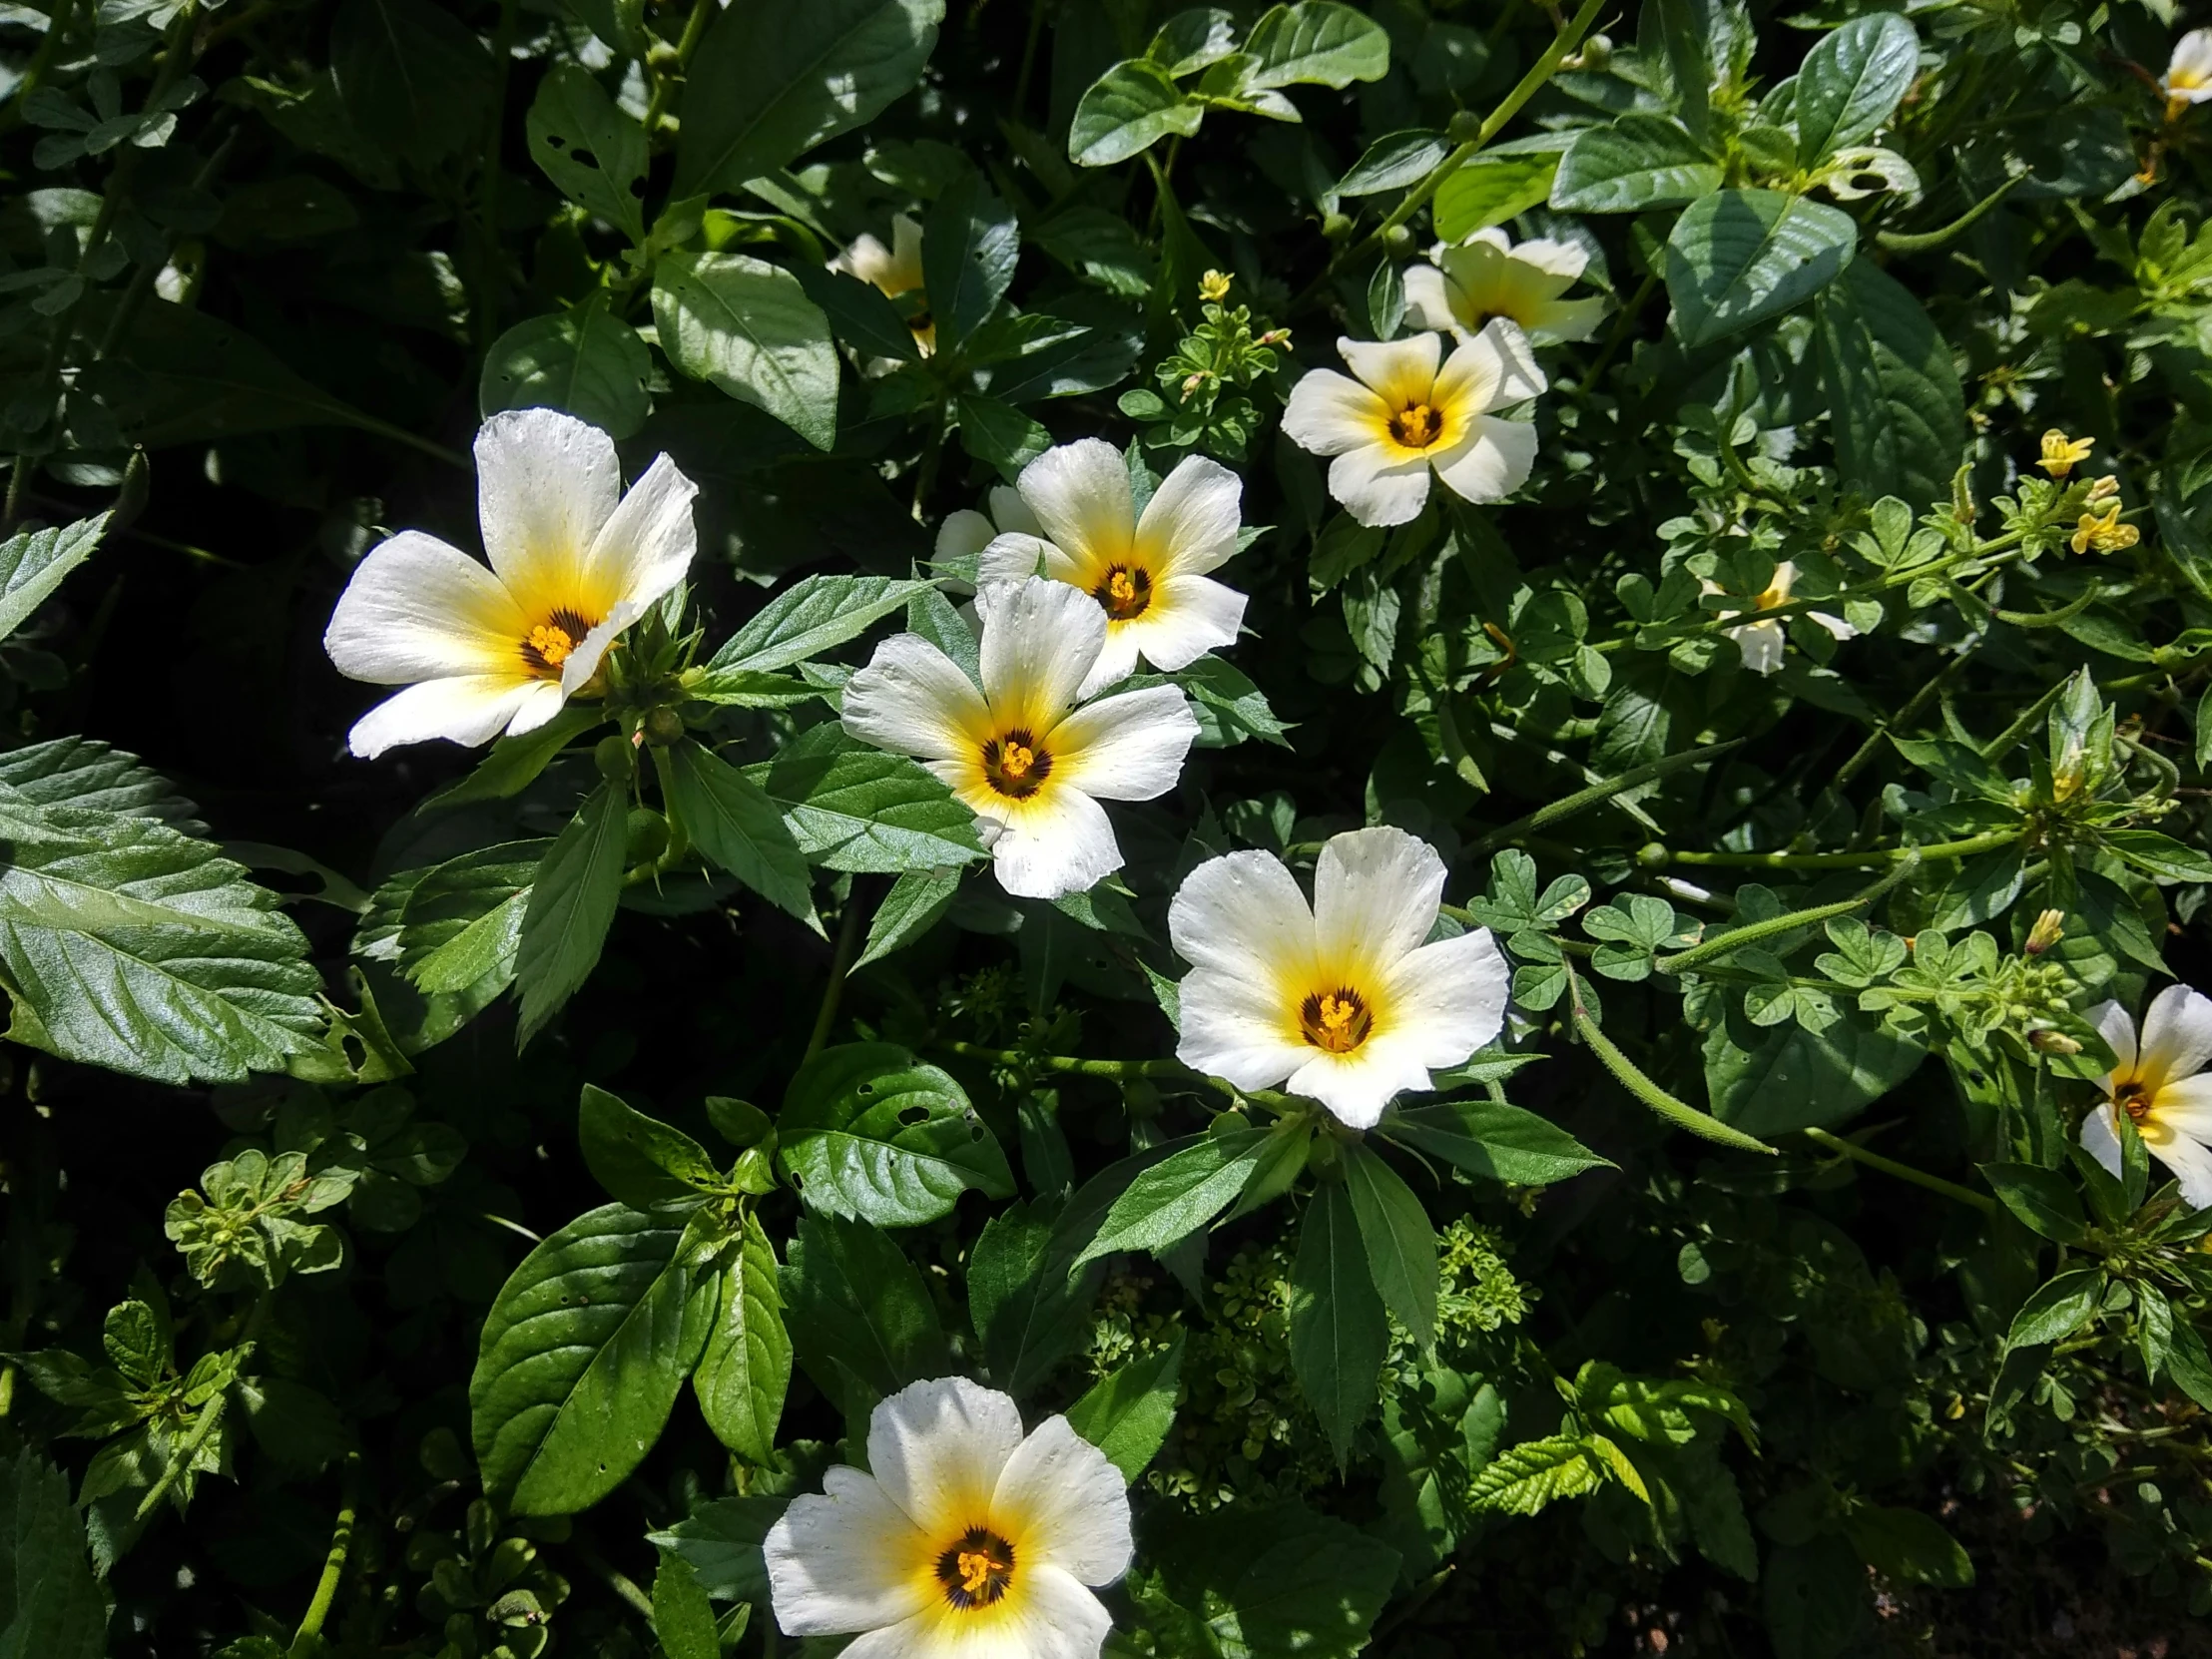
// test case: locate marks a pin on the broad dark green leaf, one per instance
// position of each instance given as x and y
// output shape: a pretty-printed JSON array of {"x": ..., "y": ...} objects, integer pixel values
[
  {"x": 1492, "y": 189},
  {"x": 1127, "y": 1412},
  {"x": 812, "y": 615},
  {"x": 768, "y": 82},
  {"x": 745, "y": 1371},
  {"x": 1850, "y": 82},
  {"x": 33, "y": 563},
  {"x": 721, "y": 1540},
  {"x": 1173, "y": 1198},
  {"x": 1394, "y": 161},
  {"x": 1491, "y": 1139},
  {"x": 969, "y": 244},
  {"x": 641, "y": 1160},
  {"x": 2160, "y": 855},
  {"x": 1339, "y": 1334},
  {"x": 1787, "y": 1078},
  {"x": 999, "y": 435},
  {"x": 2043, "y": 1199},
  {"x": 463, "y": 921},
  {"x": 1264, "y": 1581},
  {"x": 1315, "y": 43},
  {"x": 1908, "y": 1547},
  {"x": 683, "y": 1619},
  {"x": 581, "y": 1359},
  {"x": 1897, "y": 410},
  {"x": 1739, "y": 257},
  {"x": 861, "y": 313},
  {"x": 747, "y": 328},
  {"x": 2058, "y": 1310},
  {"x": 1126, "y": 112},
  {"x": 861, "y": 1319},
  {"x": 51, "y": 1606},
  {"x": 856, "y": 809},
  {"x": 1028, "y": 1312},
  {"x": 1399, "y": 1242},
  {"x": 514, "y": 764},
  {"x": 594, "y": 154},
  {"x": 1640, "y": 161},
  {"x": 572, "y": 904},
  {"x": 738, "y": 829},
  {"x": 86, "y": 773},
  {"x": 416, "y": 79},
  {"x": 585, "y": 361},
  {"x": 915, "y": 904},
  {"x": 868, "y": 1131}
]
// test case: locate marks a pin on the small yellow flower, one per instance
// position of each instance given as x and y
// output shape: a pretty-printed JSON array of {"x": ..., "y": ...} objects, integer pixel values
[
  {"x": 2062, "y": 454},
  {"x": 2049, "y": 928},
  {"x": 2105, "y": 489},
  {"x": 1214, "y": 286},
  {"x": 2108, "y": 534}
]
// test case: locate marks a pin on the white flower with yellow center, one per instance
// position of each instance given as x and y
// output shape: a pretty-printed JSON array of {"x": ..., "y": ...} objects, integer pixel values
[
  {"x": 894, "y": 272},
  {"x": 1404, "y": 417},
  {"x": 574, "y": 561},
  {"x": 1762, "y": 642},
  {"x": 963, "y": 535},
  {"x": 2161, "y": 1084},
  {"x": 2188, "y": 78},
  {"x": 1146, "y": 571},
  {"x": 963, "y": 1539},
  {"x": 1488, "y": 275},
  {"x": 1018, "y": 751},
  {"x": 1342, "y": 1002}
]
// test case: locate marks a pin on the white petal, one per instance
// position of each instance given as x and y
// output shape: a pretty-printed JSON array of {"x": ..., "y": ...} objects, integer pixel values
[
  {"x": 1080, "y": 494},
  {"x": 1116, "y": 659},
  {"x": 1040, "y": 639},
  {"x": 467, "y": 709},
  {"x": 2177, "y": 1037},
  {"x": 1562, "y": 261},
  {"x": 913, "y": 699},
  {"x": 1760, "y": 644},
  {"x": 1562, "y": 320},
  {"x": 1375, "y": 894},
  {"x": 1191, "y": 522},
  {"x": 1356, "y": 1087},
  {"x": 1067, "y": 1502},
  {"x": 2191, "y": 1163},
  {"x": 1010, "y": 556},
  {"x": 581, "y": 664},
  {"x": 905, "y": 271},
  {"x": 1329, "y": 413},
  {"x": 1238, "y": 1026},
  {"x": 647, "y": 545},
  {"x": 1491, "y": 461},
  {"x": 845, "y": 1560},
  {"x": 1242, "y": 915},
  {"x": 545, "y": 483},
  {"x": 417, "y": 609},
  {"x": 2100, "y": 1137},
  {"x": 1188, "y": 617},
  {"x": 866, "y": 258},
  {"x": 545, "y": 700},
  {"x": 1125, "y": 748},
  {"x": 1399, "y": 372},
  {"x": 1046, "y": 1615},
  {"x": 1429, "y": 299},
  {"x": 1056, "y": 842},
  {"x": 1378, "y": 488},
  {"x": 1447, "y": 999},
  {"x": 2118, "y": 1031},
  {"x": 1837, "y": 626},
  {"x": 939, "y": 1449},
  {"x": 1494, "y": 370},
  {"x": 2192, "y": 54},
  {"x": 962, "y": 535},
  {"x": 2186, "y": 1107},
  {"x": 1010, "y": 512}
]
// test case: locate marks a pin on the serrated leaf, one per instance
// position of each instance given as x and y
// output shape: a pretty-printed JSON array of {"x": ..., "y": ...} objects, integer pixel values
[
  {"x": 731, "y": 819},
  {"x": 640, "y": 1161},
  {"x": 462, "y": 922},
  {"x": 87, "y": 774},
  {"x": 867, "y": 1131},
  {"x": 1523, "y": 1479},
  {"x": 915, "y": 904},
  {"x": 1177, "y": 1196},
  {"x": 812, "y": 615},
  {"x": 33, "y": 563},
  {"x": 1399, "y": 1242},
  {"x": 1494, "y": 1140},
  {"x": 861, "y": 1319},
  {"x": 1029, "y": 1312},
  {"x": 856, "y": 809}
]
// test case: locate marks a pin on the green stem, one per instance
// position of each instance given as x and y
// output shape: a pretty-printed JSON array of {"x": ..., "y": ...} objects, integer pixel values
[
  {"x": 1567, "y": 806},
  {"x": 840, "y": 963},
  {"x": 1678, "y": 1112},
  {"x": 1989, "y": 841},
  {"x": 210, "y": 1415},
  {"x": 1622, "y": 327},
  {"x": 34, "y": 76},
  {"x": 1904, "y": 1172},
  {"x": 333, "y": 1564},
  {"x": 1067, "y": 1065},
  {"x": 665, "y": 89},
  {"x": 1688, "y": 961},
  {"x": 1903, "y": 241},
  {"x": 1912, "y": 706}
]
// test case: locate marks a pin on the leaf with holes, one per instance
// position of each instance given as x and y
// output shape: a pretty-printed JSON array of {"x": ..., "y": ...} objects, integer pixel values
[
  {"x": 869, "y": 1132},
  {"x": 595, "y": 155}
]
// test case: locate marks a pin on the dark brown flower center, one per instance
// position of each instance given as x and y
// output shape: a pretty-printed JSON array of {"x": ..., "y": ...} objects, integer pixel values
[
  {"x": 1416, "y": 426},
  {"x": 976, "y": 1568},
  {"x": 552, "y": 641},
  {"x": 2134, "y": 1098},
  {"x": 1016, "y": 764},
  {"x": 1126, "y": 592},
  {"x": 1336, "y": 1021}
]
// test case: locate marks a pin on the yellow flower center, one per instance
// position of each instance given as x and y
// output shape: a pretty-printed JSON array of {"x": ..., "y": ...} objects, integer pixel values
[
  {"x": 1416, "y": 426},
  {"x": 1126, "y": 592},
  {"x": 976, "y": 1569},
  {"x": 2134, "y": 1098},
  {"x": 1016, "y": 764},
  {"x": 552, "y": 641},
  {"x": 1336, "y": 1022}
]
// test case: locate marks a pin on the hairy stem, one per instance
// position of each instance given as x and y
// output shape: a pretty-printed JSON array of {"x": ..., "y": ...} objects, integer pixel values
[{"x": 1904, "y": 1172}]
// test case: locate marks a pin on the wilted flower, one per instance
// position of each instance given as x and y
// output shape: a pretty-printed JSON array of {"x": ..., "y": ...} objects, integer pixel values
[
  {"x": 2049, "y": 928},
  {"x": 1342, "y": 1002},
  {"x": 2160, "y": 1084},
  {"x": 1017, "y": 751},
  {"x": 2105, "y": 533},
  {"x": 1487, "y": 277},
  {"x": 2062, "y": 454},
  {"x": 895, "y": 271},
  {"x": 2188, "y": 78},
  {"x": 1762, "y": 642},
  {"x": 1146, "y": 571},
  {"x": 574, "y": 562},
  {"x": 1404, "y": 417},
  {"x": 963, "y": 1539}
]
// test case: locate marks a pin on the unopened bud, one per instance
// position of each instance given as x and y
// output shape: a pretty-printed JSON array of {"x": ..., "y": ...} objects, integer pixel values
[
  {"x": 1397, "y": 242},
  {"x": 1337, "y": 226},
  {"x": 613, "y": 758},
  {"x": 2049, "y": 928},
  {"x": 1214, "y": 286},
  {"x": 1465, "y": 128},
  {"x": 1596, "y": 52},
  {"x": 663, "y": 727},
  {"x": 1652, "y": 855},
  {"x": 2105, "y": 489},
  {"x": 2052, "y": 1043}
]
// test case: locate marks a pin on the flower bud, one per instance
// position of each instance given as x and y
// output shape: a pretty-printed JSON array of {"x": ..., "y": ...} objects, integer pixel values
[
  {"x": 1397, "y": 242},
  {"x": 1465, "y": 128},
  {"x": 1337, "y": 226},
  {"x": 615, "y": 758},
  {"x": 663, "y": 727},
  {"x": 2050, "y": 928},
  {"x": 1214, "y": 286},
  {"x": 1652, "y": 855},
  {"x": 2052, "y": 1043}
]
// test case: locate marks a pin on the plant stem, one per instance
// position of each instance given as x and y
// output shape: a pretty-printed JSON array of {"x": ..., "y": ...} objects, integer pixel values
[
  {"x": 1904, "y": 1172},
  {"x": 1903, "y": 241},
  {"x": 34, "y": 76},
  {"x": 1989, "y": 841},
  {"x": 1067, "y": 1065},
  {"x": 665, "y": 89},
  {"x": 210, "y": 1415},
  {"x": 1630, "y": 1077},
  {"x": 1690, "y": 960},
  {"x": 333, "y": 1564},
  {"x": 1568, "y": 805},
  {"x": 840, "y": 963}
]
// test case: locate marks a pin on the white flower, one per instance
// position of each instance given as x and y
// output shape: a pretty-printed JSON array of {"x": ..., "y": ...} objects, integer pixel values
[
  {"x": 1404, "y": 416},
  {"x": 1342, "y": 1003},
  {"x": 2188, "y": 78},
  {"x": 1486, "y": 277},
  {"x": 574, "y": 562},
  {"x": 895, "y": 271},
  {"x": 1032, "y": 764},
  {"x": 2162, "y": 1086},
  {"x": 967, "y": 1541},
  {"x": 963, "y": 535},
  {"x": 1762, "y": 642},
  {"x": 1148, "y": 571}
]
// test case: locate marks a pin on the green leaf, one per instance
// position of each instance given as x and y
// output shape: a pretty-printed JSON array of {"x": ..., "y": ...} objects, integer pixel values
[
  {"x": 594, "y": 154},
  {"x": 1494, "y": 1140},
  {"x": 1394, "y": 161},
  {"x": 585, "y": 361},
  {"x": 721, "y": 1541},
  {"x": 1399, "y": 1242},
  {"x": 2058, "y": 1310},
  {"x": 1525, "y": 1478},
  {"x": 745, "y": 1369},
  {"x": 1904, "y": 1545},
  {"x": 462, "y": 922},
  {"x": 1229, "y": 706},
  {"x": 1028, "y": 1312},
  {"x": 572, "y": 904},
  {"x": 868, "y": 1131},
  {"x": 2044, "y": 1200},
  {"x": 582, "y": 1354},
  {"x": 1640, "y": 161},
  {"x": 1898, "y": 411},
  {"x": 2159, "y": 856},
  {"x": 812, "y": 615},
  {"x": 51, "y": 1606},
  {"x": 747, "y": 328},
  {"x": 1489, "y": 190},
  {"x": 1739, "y": 257},
  {"x": 87, "y": 774},
  {"x": 1850, "y": 82},
  {"x": 514, "y": 764},
  {"x": 917, "y": 900},
  {"x": 769, "y": 82},
  {"x": 1264, "y": 1581},
  {"x": 1315, "y": 43},
  {"x": 1339, "y": 1334},
  {"x": 683, "y": 1619},
  {"x": 1791, "y": 1077},
  {"x": 856, "y": 809},
  {"x": 130, "y": 946},
  {"x": 33, "y": 563},
  {"x": 414, "y": 78},
  {"x": 860, "y": 1319},
  {"x": 641, "y": 1160},
  {"x": 1127, "y": 1412},
  {"x": 1177, "y": 1196},
  {"x": 969, "y": 244},
  {"x": 998, "y": 434},
  {"x": 1126, "y": 112},
  {"x": 732, "y": 821}
]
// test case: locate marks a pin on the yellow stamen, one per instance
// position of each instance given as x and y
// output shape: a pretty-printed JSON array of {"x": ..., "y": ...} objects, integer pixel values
[
  {"x": 2134, "y": 1099},
  {"x": 1016, "y": 761},
  {"x": 1016, "y": 764},
  {"x": 976, "y": 1569},
  {"x": 551, "y": 643},
  {"x": 1126, "y": 592},
  {"x": 1416, "y": 426},
  {"x": 1336, "y": 1021},
  {"x": 2062, "y": 454}
]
